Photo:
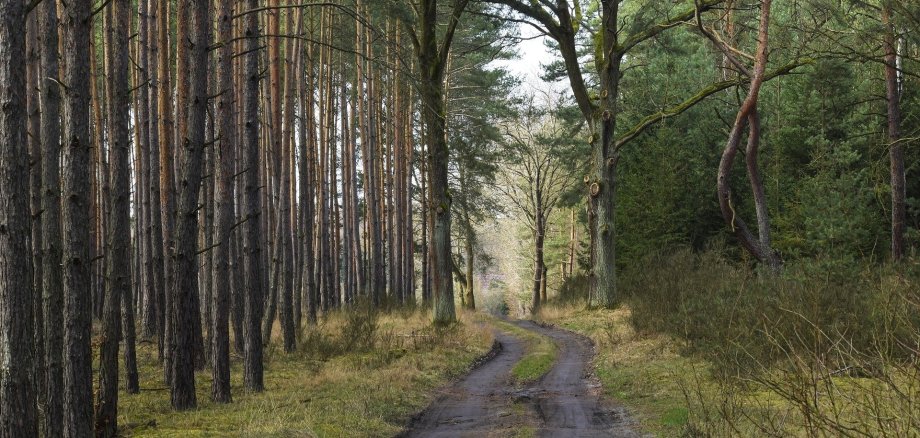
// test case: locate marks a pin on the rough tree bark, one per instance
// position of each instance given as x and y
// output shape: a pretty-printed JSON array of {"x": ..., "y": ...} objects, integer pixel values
[
  {"x": 167, "y": 185},
  {"x": 895, "y": 145},
  {"x": 152, "y": 312},
  {"x": 78, "y": 384},
  {"x": 307, "y": 135},
  {"x": 52, "y": 287},
  {"x": 118, "y": 241},
  {"x": 252, "y": 206},
  {"x": 185, "y": 306},
  {"x": 759, "y": 248},
  {"x": 223, "y": 209},
  {"x": 34, "y": 147},
  {"x": 432, "y": 65},
  {"x": 18, "y": 414}
]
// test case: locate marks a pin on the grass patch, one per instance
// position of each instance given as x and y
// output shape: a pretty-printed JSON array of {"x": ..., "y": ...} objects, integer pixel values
[
  {"x": 637, "y": 370},
  {"x": 321, "y": 390},
  {"x": 539, "y": 355}
]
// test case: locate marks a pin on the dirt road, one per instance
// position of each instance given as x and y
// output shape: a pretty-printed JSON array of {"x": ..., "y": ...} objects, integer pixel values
[{"x": 564, "y": 403}]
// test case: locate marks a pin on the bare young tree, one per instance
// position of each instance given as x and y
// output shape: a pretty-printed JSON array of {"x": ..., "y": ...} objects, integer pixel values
[{"x": 534, "y": 180}]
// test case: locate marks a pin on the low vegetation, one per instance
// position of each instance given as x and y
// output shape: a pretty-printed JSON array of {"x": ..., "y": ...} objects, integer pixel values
[
  {"x": 704, "y": 347},
  {"x": 638, "y": 370},
  {"x": 355, "y": 374},
  {"x": 538, "y": 358}
]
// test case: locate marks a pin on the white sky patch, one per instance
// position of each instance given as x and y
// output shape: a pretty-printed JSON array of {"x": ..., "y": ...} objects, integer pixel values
[{"x": 533, "y": 55}]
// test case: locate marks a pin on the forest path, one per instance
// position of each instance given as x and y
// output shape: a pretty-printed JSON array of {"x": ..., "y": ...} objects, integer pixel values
[{"x": 563, "y": 403}]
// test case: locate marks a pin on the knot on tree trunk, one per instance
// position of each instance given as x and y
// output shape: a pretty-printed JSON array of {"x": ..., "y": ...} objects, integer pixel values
[{"x": 595, "y": 189}]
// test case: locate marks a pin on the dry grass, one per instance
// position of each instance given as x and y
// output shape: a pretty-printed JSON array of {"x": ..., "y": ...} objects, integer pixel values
[
  {"x": 640, "y": 371},
  {"x": 826, "y": 350},
  {"x": 321, "y": 390}
]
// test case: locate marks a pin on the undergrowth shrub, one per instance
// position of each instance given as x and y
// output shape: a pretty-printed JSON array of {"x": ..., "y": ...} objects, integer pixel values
[
  {"x": 574, "y": 289},
  {"x": 826, "y": 348},
  {"x": 744, "y": 320}
]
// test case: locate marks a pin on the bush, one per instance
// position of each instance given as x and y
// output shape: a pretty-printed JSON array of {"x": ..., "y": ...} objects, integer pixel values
[{"x": 744, "y": 321}]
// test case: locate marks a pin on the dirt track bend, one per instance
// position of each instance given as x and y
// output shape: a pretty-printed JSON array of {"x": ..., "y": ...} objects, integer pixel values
[{"x": 564, "y": 403}]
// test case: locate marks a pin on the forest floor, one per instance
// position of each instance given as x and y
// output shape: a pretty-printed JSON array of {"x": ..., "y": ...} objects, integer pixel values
[
  {"x": 539, "y": 383},
  {"x": 350, "y": 377}
]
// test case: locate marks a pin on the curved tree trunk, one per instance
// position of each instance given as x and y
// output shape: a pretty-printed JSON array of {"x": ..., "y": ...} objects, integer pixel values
[{"x": 759, "y": 248}]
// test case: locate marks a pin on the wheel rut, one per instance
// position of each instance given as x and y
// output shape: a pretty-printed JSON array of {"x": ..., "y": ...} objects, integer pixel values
[{"x": 566, "y": 402}]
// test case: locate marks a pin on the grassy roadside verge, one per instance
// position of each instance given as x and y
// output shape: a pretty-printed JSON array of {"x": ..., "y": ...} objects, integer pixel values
[
  {"x": 639, "y": 371},
  {"x": 321, "y": 390},
  {"x": 538, "y": 358}
]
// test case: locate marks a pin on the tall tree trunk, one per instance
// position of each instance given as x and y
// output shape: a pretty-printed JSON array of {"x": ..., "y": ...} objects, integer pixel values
[
  {"x": 307, "y": 133},
  {"x": 286, "y": 311},
  {"x": 34, "y": 147},
  {"x": 18, "y": 415},
  {"x": 895, "y": 145},
  {"x": 759, "y": 248},
  {"x": 78, "y": 384},
  {"x": 142, "y": 163},
  {"x": 470, "y": 296},
  {"x": 184, "y": 306},
  {"x": 52, "y": 287},
  {"x": 167, "y": 185},
  {"x": 603, "y": 188},
  {"x": 538, "y": 265},
  {"x": 252, "y": 206},
  {"x": 376, "y": 275},
  {"x": 409, "y": 253},
  {"x": 432, "y": 60},
  {"x": 151, "y": 313},
  {"x": 223, "y": 209},
  {"x": 118, "y": 240}
]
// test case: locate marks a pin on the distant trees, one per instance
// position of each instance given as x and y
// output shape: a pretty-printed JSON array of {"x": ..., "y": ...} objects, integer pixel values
[
  {"x": 534, "y": 180},
  {"x": 612, "y": 41}
]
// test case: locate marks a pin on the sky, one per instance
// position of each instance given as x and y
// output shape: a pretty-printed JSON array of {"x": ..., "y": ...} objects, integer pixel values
[{"x": 532, "y": 53}]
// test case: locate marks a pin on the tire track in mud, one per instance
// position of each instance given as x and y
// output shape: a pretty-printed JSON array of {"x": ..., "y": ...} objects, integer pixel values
[{"x": 566, "y": 402}]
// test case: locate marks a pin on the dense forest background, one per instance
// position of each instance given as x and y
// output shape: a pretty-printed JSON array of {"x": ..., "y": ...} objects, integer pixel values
[{"x": 195, "y": 182}]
